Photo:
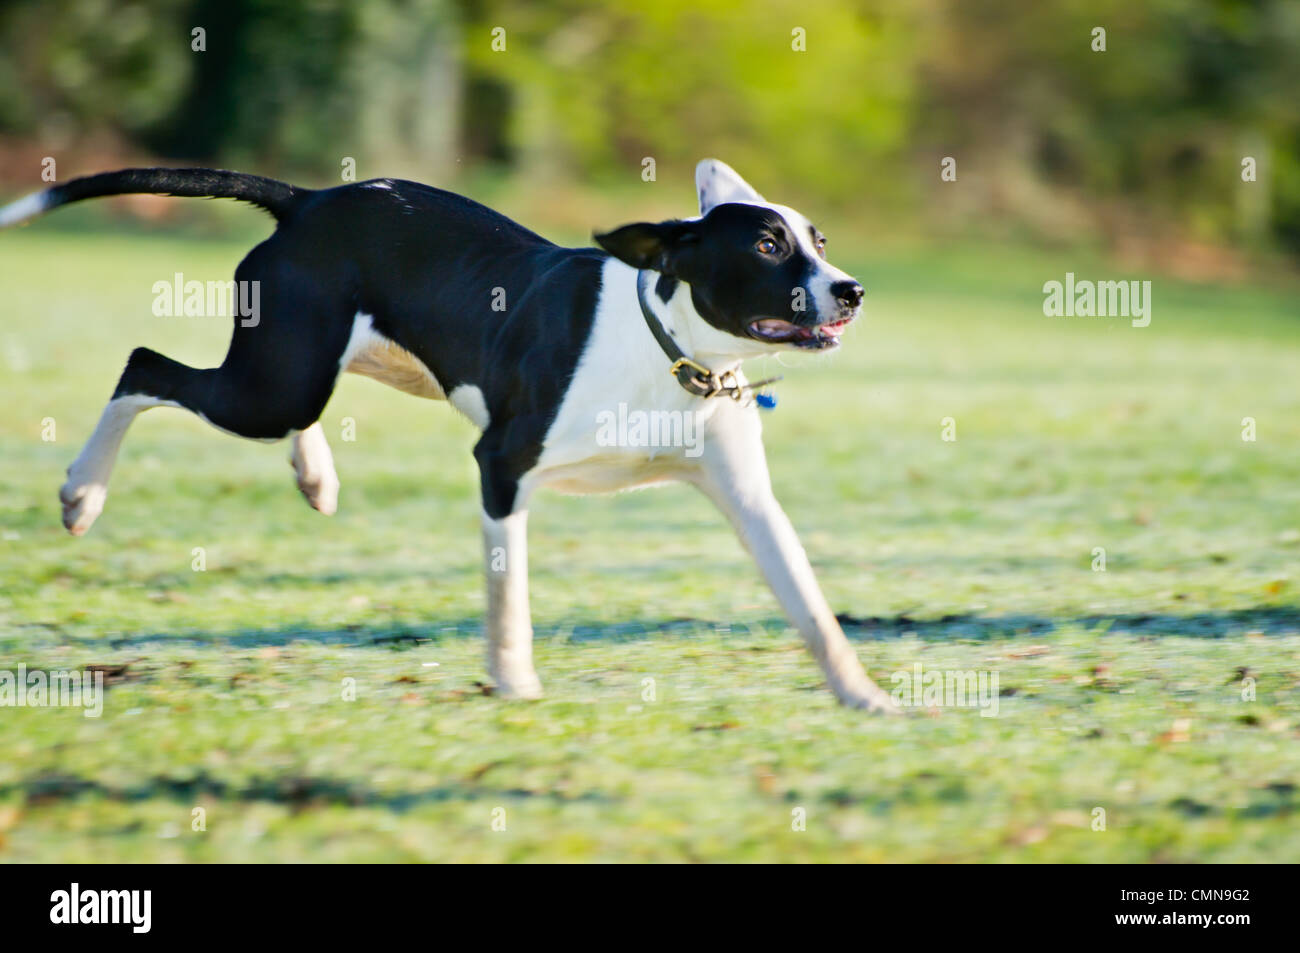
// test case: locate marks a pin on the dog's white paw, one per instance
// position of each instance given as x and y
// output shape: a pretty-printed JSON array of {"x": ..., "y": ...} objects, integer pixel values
[
  {"x": 869, "y": 698},
  {"x": 313, "y": 465},
  {"x": 321, "y": 490},
  {"x": 524, "y": 685},
  {"x": 82, "y": 501}
]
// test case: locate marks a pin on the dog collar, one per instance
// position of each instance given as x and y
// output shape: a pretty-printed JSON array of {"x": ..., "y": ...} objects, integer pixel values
[{"x": 695, "y": 378}]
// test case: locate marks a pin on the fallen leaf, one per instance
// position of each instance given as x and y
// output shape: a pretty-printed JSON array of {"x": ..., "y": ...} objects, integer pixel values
[
  {"x": 1029, "y": 651},
  {"x": 1179, "y": 733},
  {"x": 720, "y": 726},
  {"x": 114, "y": 673}
]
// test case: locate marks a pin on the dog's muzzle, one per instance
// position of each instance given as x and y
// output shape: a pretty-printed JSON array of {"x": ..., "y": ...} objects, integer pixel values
[
  {"x": 819, "y": 337},
  {"x": 848, "y": 299}
]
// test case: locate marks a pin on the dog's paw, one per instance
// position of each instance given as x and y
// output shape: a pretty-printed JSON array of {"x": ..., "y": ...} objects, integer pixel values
[
  {"x": 870, "y": 698},
  {"x": 313, "y": 467},
  {"x": 321, "y": 491},
  {"x": 82, "y": 504},
  {"x": 523, "y": 685}
]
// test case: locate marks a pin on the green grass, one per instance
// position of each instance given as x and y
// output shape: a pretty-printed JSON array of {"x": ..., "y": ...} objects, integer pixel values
[{"x": 1121, "y": 690}]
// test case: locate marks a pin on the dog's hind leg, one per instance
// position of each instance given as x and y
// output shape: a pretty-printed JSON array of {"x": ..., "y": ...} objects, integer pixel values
[
  {"x": 275, "y": 380},
  {"x": 314, "y": 465},
  {"x": 149, "y": 380},
  {"x": 86, "y": 488},
  {"x": 262, "y": 391}
]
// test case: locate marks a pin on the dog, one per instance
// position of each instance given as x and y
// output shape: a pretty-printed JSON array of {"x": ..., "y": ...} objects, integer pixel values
[{"x": 444, "y": 298}]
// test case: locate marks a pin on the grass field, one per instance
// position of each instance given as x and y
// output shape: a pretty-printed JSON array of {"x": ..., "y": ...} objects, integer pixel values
[{"x": 1120, "y": 690}]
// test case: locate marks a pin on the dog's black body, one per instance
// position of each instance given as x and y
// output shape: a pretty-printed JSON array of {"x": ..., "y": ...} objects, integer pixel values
[{"x": 372, "y": 248}]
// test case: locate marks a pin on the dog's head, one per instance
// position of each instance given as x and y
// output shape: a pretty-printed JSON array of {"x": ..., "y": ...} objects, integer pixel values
[{"x": 755, "y": 270}]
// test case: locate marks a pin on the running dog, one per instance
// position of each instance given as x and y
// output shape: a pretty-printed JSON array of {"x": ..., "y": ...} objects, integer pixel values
[{"x": 443, "y": 298}]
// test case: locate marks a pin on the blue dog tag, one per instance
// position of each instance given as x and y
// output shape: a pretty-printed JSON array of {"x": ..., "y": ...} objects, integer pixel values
[{"x": 766, "y": 401}]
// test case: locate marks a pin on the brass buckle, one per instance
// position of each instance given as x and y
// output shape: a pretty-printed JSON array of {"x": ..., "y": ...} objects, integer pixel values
[
  {"x": 701, "y": 371},
  {"x": 703, "y": 375},
  {"x": 727, "y": 381}
]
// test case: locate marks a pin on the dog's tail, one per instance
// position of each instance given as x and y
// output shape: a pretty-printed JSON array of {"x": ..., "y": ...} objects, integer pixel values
[{"x": 278, "y": 198}]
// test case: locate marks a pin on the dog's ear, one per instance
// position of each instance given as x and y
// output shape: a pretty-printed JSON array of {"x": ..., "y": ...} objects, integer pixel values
[
  {"x": 651, "y": 245},
  {"x": 717, "y": 183}
]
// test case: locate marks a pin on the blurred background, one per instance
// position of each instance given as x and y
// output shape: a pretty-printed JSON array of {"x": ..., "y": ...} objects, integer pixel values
[{"x": 1136, "y": 151}]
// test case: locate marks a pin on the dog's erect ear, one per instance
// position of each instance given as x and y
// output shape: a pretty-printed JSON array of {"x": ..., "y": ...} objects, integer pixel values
[
  {"x": 717, "y": 183},
  {"x": 647, "y": 244}
]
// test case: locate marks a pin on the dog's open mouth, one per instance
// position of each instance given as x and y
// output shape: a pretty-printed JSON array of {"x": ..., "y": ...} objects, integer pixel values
[{"x": 778, "y": 331}]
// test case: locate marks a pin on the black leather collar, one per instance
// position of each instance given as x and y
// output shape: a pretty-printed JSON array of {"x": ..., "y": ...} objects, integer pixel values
[{"x": 695, "y": 378}]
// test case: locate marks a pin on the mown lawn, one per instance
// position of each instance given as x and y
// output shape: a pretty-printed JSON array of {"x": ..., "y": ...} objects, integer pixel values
[{"x": 1126, "y": 690}]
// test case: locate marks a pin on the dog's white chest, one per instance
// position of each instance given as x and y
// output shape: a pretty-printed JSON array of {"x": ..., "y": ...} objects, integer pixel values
[{"x": 624, "y": 421}]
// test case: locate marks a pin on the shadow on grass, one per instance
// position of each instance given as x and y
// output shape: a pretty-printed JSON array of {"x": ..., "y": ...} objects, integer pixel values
[
  {"x": 307, "y": 792},
  {"x": 1268, "y": 620},
  {"x": 297, "y": 791}
]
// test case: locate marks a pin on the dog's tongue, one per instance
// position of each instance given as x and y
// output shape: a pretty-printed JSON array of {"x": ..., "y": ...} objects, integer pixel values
[
  {"x": 781, "y": 330},
  {"x": 776, "y": 329}
]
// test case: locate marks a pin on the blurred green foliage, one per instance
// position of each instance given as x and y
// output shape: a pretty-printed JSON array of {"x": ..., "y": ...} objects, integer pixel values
[{"x": 1048, "y": 132}]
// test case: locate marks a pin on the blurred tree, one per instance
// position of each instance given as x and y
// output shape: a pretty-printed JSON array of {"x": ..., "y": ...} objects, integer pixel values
[
  {"x": 840, "y": 99},
  {"x": 1155, "y": 124},
  {"x": 816, "y": 91},
  {"x": 74, "y": 65},
  {"x": 288, "y": 84}
]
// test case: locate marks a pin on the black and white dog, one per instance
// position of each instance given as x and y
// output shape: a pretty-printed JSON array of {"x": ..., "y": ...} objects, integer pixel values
[{"x": 441, "y": 297}]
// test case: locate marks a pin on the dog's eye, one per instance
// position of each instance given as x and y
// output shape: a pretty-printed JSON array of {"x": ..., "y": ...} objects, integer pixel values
[
  {"x": 766, "y": 247},
  {"x": 821, "y": 247}
]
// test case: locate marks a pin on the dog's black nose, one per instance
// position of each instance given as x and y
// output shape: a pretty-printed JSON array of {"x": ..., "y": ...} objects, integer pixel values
[{"x": 847, "y": 293}]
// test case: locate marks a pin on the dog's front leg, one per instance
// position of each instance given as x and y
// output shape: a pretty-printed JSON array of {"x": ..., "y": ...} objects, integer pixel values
[
  {"x": 509, "y": 625},
  {"x": 734, "y": 475}
]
